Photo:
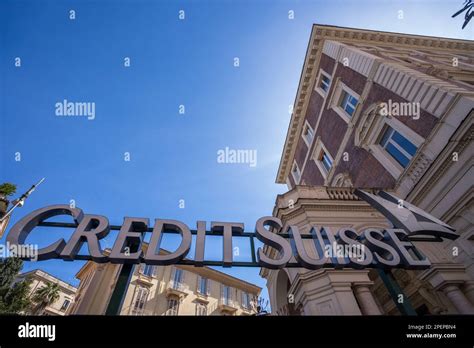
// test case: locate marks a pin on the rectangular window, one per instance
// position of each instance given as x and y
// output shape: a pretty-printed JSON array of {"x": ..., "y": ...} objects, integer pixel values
[
  {"x": 348, "y": 103},
  {"x": 308, "y": 134},
  {"x": 140, "y": 301},
  {"x": 65, "y": 304},
  {"x": 295, "y": 171},
  {"x": 173, "y": 307},
  {"x": 324, "y": 83},
  {"x": 399, "y": 147},
  {"x": 325, "y": 160},
  {"x": 226, "y": 295},
  {"x": 178, "y": 278},
  {"x": 322, "y": 158},
  {"x": 201, "y": 309},
  {"x": 148, "y": 270},
  {"x": 245, "y": 300},
  {"x": 203, "y": 286}
]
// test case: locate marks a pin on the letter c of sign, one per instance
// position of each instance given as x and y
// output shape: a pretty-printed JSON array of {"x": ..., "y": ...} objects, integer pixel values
[{"x": 20, "y": 231}]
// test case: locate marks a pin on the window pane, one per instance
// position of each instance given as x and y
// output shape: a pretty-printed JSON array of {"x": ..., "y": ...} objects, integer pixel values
[
  {"x": 386, "y": 136},
  {"x": 324, "y": 84},
  {"x": 178, "y": 275},
  {"x": 203, "y": 287},
  {"x": 404, "y": 143},
  {"x": 349, "y": 109},
  {"x": 344, "y": 97},
  {"x": 348, "y": 102},
  {"x": 148, "y": 270},
  {"x": 327, "y": 162},
  {"x": 353, "y": 101},
  {"x": 399, "y": 157}
]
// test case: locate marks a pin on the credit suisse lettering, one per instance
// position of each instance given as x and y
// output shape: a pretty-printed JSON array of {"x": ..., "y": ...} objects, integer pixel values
[{"x": 385, "y": 248}]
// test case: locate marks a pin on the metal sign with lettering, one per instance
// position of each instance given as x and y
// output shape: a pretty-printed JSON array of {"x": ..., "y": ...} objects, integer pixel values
[{"x": 382, "y": 248}]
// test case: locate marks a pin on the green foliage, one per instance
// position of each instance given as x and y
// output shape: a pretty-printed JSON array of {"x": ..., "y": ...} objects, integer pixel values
[
  {"x": 13, "y": 297},
  {"x": 7, "y": 189},
  {"x": 16, "y": 300},
  {"x": 9, "y": 269},
  {"x": 45, "y": 296}
]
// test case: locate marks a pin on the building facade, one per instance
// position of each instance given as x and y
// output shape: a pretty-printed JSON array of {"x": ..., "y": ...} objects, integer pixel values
[
  {"x": 165, "y": 290},
  {"x": 385, "y": 111},
  {"x": 67, "y": 292}
]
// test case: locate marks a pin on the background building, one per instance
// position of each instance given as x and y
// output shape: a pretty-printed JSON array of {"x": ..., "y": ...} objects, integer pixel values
[
  {"x": 165, "y": 290},
  {"x": 388, "y": 111},
  {"x": 40, "y": 279}
]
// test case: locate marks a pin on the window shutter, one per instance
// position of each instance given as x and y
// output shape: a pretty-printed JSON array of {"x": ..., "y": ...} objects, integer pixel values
[
  {"x": 242, "y": 299},
  {"x": 222, "y": 292},
  {"x": 154, "y": 270},
  {"x": 183, "y": 275},
  {"x": 208, "y": 286},
  {"x": 198, "y": 286}
]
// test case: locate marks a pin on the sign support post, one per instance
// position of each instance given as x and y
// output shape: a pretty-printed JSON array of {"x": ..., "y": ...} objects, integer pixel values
[
  {"x": 120, "y": 289},
  {"x": 395, "y": 292}
]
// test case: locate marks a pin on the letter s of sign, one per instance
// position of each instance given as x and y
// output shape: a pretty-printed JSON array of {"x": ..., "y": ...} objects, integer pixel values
[
  {"x": 20, "y": 231},
  {"x": 273, "y": 240}
]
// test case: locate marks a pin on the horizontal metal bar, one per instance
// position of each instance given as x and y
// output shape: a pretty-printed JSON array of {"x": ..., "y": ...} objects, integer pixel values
[
  {"x": 150, "y": 229},
  {"x": 414, "y": 238}
]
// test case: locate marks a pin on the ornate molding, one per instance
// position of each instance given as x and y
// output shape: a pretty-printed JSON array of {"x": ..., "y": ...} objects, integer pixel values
[
  {"x": 367, "y": 122},
  {"x": 418, "y": 167}
]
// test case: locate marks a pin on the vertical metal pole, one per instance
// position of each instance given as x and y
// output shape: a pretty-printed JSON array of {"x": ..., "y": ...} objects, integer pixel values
[
  {"x": 395, "y": 291},
  {"x": 252, "y": 249},
  {"x": 120, "y": 289}
]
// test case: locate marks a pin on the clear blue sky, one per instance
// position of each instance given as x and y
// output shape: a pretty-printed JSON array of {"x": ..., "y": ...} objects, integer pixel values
[{"x": 173, "y": 62}]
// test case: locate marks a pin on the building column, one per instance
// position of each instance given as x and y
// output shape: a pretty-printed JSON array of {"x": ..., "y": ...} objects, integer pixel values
[
  {"x": 364, "y": 296},
  {"x": 458, "y": 299},
  {"x": 448, "y": 278},
  {"x": 469, "y": 291}
]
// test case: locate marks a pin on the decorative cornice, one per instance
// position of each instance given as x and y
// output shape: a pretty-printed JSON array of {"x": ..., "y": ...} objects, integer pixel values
[
  {"x": 303, "y": 199},
  {"x": 321, "y": 33}
]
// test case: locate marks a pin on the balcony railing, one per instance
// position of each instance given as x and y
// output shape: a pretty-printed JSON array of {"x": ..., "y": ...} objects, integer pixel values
[
  {"x": 228, "y": 304},
  {"x": 177, "y": 288},
  {"x": 170, "y": 312}
]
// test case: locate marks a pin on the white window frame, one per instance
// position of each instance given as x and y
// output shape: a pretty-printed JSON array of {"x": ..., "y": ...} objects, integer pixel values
[
  {"x": 177, "y": 281},
  {"x": 307, "y": 127},
  {"x": 149, "y": 267},
  {"x": 141, "y": 297},
  {"x": 315, "y": 157},
  {"x": 319, "y": 79},
  {"x": 227, "y": 300},
  {"x": 245, "y": 298},
  {"x": 295, "y": 165},
  {"x": 387, "y": 161},
  {"x": 172, "y": 310},
  {"x": 336, "y": 97},
  {"x": 199, "y": 285},
  {"x": 66, "y": 302},
  {"x": 201, "y": 309}
]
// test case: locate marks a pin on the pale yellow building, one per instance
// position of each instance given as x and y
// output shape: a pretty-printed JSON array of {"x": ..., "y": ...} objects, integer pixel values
[
  {"x": 67, "y": 292},
  {"x": 165, "y": 290}
]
